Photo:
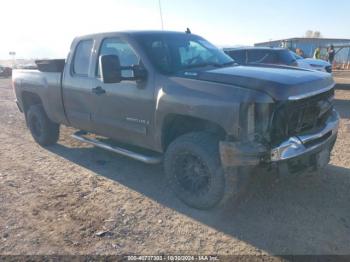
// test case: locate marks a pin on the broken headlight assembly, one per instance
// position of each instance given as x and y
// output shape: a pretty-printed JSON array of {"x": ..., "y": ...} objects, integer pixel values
[{"x": 255, "y": 121}]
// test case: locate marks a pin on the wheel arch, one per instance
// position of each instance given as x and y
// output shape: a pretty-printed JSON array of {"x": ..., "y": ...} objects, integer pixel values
[
  {"x": 176, "y": 125},
  {"x": 29, "y": 99}
]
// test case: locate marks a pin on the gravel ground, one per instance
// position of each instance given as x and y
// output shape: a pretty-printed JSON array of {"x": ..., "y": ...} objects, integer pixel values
[
  {"x": 72, "y": 198},
  {"x": 342, "y": 77}
]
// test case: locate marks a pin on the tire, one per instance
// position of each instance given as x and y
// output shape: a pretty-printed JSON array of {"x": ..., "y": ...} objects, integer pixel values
[
  {"x": 44, "y": 131},
  {"x": 194, "y": 172}
]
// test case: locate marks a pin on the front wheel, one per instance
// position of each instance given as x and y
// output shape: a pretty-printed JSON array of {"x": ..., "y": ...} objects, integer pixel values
[
  {"x": 44, "y": 131},
  {"x": 194, "y": 172}
]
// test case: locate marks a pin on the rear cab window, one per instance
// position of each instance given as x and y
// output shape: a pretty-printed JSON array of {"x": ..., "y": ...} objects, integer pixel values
[{"x": 82, "y": 57}]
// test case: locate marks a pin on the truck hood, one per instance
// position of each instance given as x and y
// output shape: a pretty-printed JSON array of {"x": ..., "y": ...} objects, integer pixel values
[{"x": 280, "y": 83}]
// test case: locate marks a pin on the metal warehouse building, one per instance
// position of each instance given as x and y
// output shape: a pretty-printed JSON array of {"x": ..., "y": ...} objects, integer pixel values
[{"x": 308, "y": 46}]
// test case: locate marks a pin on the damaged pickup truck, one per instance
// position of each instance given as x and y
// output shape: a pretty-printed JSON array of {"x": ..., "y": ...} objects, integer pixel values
[{"x": 175, "y": 98}]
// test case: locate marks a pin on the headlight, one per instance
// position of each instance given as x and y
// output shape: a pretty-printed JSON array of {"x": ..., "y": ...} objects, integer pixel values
[{"x": 255, "y": 119}]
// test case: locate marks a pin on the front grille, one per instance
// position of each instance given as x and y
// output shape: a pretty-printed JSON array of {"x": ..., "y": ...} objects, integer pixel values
[{"x": 293, "y": 118}]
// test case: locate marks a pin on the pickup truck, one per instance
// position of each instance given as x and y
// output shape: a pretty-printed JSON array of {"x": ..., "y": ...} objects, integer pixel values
[{"x": 173, "y": 97}]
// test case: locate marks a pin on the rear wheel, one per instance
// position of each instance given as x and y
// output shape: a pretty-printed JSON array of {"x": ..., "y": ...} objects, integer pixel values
[
  {"x": 44, "y": 131},
  {"x": 194, "y": 172}
]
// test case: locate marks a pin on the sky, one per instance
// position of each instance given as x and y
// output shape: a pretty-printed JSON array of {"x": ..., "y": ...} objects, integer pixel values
[{"x": 45, "y": 28}]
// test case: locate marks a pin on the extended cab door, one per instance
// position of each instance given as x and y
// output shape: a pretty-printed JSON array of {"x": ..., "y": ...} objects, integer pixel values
[
  {"x": 123, "y": 111},
  {"x": 77, "y": 95}
]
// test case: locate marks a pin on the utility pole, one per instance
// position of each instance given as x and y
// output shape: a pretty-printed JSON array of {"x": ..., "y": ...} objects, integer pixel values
[{"x": 161, "y": 14}]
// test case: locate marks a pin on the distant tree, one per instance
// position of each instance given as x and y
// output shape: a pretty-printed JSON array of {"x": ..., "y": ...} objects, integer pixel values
[{"x": 313, "y": 34}]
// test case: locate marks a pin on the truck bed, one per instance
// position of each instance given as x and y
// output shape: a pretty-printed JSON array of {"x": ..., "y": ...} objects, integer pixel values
[{"x": 47, "y": 85}]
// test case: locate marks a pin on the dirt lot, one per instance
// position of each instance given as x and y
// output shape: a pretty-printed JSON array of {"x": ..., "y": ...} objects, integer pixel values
[
  {"x": 342, "y": 77},
  {"x": 75, "y": 199}
]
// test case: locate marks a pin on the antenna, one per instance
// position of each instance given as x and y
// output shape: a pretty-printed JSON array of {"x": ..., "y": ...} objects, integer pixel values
[{"x": 161, "y": 14}]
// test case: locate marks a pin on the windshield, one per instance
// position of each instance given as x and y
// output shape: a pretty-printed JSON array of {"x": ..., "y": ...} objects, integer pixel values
[{"x": 173, "y": 52}]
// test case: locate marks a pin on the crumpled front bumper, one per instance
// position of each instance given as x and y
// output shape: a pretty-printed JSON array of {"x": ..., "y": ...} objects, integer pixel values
[{"x": 252, "y": 154}]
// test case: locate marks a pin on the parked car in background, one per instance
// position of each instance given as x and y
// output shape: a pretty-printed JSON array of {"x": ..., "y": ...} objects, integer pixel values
[
  {"x": 261, "y": 55},
  {"x": 26, "y": 66},
  {"x": 314, "y": 64},
  {"x": 5, "y": 71}
]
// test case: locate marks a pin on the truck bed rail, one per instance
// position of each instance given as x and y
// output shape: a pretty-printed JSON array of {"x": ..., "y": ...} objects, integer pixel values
[{"x": 51, "y": 65}]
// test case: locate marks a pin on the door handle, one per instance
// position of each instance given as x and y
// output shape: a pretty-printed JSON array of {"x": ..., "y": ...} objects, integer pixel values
[{"x": 98, "y": 90}]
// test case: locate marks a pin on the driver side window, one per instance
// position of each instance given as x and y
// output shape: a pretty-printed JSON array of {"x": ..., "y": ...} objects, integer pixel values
[{"x": 119, "y": 47}]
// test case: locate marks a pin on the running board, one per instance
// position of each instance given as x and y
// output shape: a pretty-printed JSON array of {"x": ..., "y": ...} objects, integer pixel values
[{"x": 121, "y": 151}]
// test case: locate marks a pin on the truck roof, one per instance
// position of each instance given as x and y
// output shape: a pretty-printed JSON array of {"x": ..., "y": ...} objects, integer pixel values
[{"x": 131, "y": 33}]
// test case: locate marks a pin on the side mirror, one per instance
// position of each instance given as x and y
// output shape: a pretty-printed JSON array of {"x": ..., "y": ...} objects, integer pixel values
[{"x": 111, "y": 71}]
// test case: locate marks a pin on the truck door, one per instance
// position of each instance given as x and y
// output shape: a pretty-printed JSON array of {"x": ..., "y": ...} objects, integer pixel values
[
  {"x": 123, "y": 111},
  {"x": 77, "y": 95}
]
